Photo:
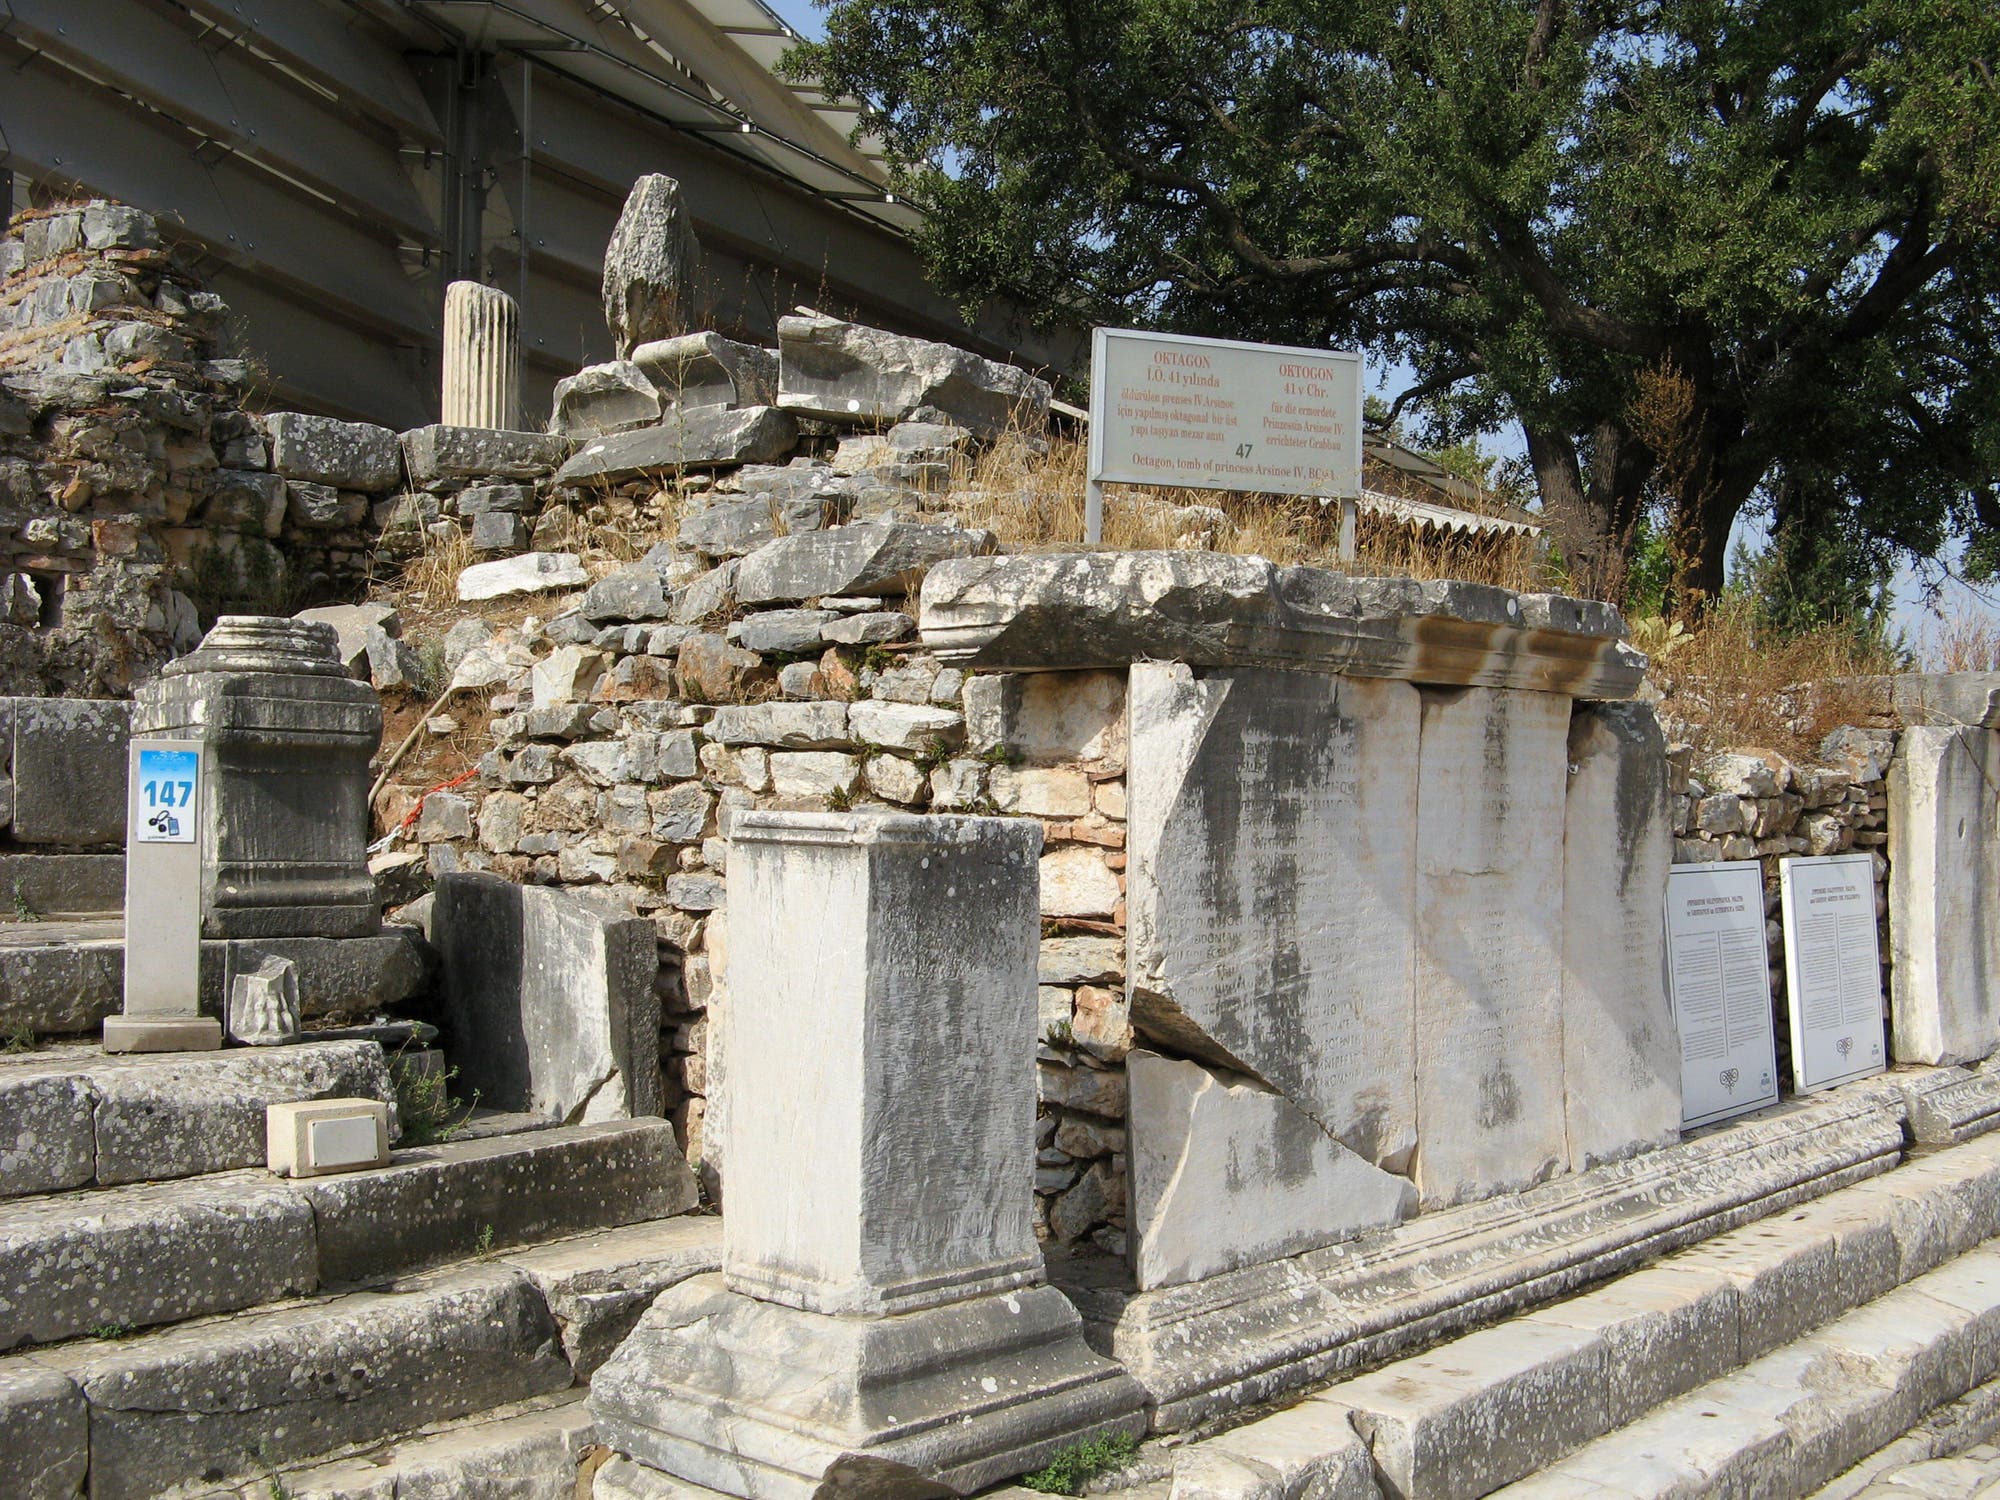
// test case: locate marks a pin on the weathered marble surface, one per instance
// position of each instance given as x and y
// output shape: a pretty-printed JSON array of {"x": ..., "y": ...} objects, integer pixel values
[
  {"x": 1254, "y": 1334},
  {"x": 1621, "y": 1050},
  {"x": 1492, "y": 768},
  {"x": 858, "y": 1034},
  {"x": 1944, "y": 895},
  {"x": 1226, "y": 1173},
  {"x": 1271, "y": 887},
  {"x": 1212, "y": 609}
]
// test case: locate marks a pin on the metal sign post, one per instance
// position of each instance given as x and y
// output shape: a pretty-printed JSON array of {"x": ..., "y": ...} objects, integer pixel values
[
  {"x": 1220, "y": 414},
  {"x": 164, "y": 794}
]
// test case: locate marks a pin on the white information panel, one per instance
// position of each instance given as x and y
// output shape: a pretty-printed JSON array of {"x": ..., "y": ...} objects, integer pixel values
[
  {"x": 1720, "y": 987},
  {"x": 1833, "y": 969},
  {"x": 168, "y": 780},
  {"x": 1218, "y": 414}
]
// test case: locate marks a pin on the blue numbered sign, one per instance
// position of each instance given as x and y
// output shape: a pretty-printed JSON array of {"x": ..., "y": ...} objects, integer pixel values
[{"x": 169, "y": 781}]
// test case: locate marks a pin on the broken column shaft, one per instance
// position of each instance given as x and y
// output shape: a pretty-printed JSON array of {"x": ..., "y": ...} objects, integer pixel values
[{"x": 482, "y": 357}]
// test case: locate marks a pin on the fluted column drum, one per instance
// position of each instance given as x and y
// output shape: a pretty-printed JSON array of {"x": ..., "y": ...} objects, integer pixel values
[{"x": 482, "y": 357}]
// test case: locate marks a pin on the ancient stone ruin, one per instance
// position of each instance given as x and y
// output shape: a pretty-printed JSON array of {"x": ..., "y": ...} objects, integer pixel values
[{"x": 738, "y": 980}]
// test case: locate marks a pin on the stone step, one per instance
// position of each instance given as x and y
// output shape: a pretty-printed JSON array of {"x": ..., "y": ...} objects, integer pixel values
[
  {"x": 531, "y": 1451},
  {"x": 152, "y": 1253},
  {"x": 62, "y": 978},
  {"x": 1500, "y": 1404},
  {"x": 71, "y": 1116},
  {"x": 469, "y": 1374},
  {"x": 1788, "y": 1422}
]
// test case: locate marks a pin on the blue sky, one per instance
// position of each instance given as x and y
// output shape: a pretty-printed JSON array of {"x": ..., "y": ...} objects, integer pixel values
[{"x": 799, "y": 15}]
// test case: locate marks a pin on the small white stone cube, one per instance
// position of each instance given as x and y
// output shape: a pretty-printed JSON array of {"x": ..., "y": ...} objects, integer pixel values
[{"x": 317, "y": 1136}]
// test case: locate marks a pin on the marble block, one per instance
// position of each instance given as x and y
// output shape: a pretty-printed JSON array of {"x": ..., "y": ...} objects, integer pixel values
[
  {"x": 1492, "y": 768},
  {"x": 1944, "y": 895},
  {"x": 1226, "y": 1173},
  {"x": 1271, "y": 887},
  {"x": 1621, "y": 1051}
]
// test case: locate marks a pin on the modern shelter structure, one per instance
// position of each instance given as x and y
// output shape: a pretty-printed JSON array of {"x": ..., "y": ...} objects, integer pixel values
[{"x": 333, "y": 164}]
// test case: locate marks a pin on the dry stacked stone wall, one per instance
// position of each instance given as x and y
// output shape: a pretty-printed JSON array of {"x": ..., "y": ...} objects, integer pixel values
[{"x": 1757, "y": 804}]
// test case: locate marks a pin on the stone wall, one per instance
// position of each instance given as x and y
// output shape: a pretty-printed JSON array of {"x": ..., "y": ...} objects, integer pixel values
[{"x": 1756, "y": 804}]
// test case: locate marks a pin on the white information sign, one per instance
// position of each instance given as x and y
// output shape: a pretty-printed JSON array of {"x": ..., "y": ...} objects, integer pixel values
[
  {"x": 168, "y": 782},
  {"x": 1833, "y": 969},
  {"x": 1218, "y": 414},
  {"x": 1720, "y": 987}
]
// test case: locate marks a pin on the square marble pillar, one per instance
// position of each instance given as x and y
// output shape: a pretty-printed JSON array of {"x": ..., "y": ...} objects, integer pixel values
[{"x": 880, "y": 1320}]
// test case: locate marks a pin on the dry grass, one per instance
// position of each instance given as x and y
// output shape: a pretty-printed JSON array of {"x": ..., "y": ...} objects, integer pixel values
[
  {"x": 1959, "y": 643},
  {"x": 1726, "y": 684},
  {"x": 1034, "y": 502},
  {"x": 431, "y": 577}
]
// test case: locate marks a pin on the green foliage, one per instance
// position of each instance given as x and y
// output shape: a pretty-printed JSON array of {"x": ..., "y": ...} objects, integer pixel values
[
  {"x": 1688, "y": 246},
  {"x": 425, "y": 1106},
  {"x": 24, "y": 910},
  {"x": 19, "y": 1038},
  {"x": 1075, "y": 1466},
  {"x": 483, "y": 1245},
  {"x": 839, "y": 799},
  {"x": 111, "y": 1332}
]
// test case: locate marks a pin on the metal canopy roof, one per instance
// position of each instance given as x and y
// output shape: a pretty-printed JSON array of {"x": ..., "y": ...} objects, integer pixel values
[{"x": 703, "y": 66}]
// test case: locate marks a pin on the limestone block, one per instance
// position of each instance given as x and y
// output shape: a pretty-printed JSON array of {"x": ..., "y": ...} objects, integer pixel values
[
  {"x": 789, "y": 726},
  {"x": 155, "y": 1253},
  {"x": 1044, "y": 718},
  {"x": 540, "y": 1453},
  {"x": 845, "y": 371},
  {"x": 705, "y": 369},
  {"x": 530, "y": 573},
  {"x": 351, "y": 624},
  {"x": 873, "y": 557},
  {"x": 64, "y": 885},
  {"x": 634, "y": 593},
  {"x": 1307, "y": 1450},
  {"x": 1080, "y": 960},
  {"x": 838, "y": 1174},
  {"x": 597, "y": 1287},
  {"x": 734, "y": 528},
  {"x": 814, "y": 773},
  {"x": 705, "y": 437},
  {"x": 47, "y": 1139},
  {"x": 69, "y": 770},
  {"x": 874, "y": 627},
  {"x": 193, "y": 1114},
  {"x": 548, "y": 1001},
  {"x": 44, "y": 1434},
  {"x": 1075, "y": 882},
  {"x": 1491, "y": 767},
  {"x": 486, "y": 453},
  {"x": 1226, "y": 1173},
  {"x": 1486, "y": 1410},
  {"x": 1272, "y": 887},
  {"x": 1045, "y": 793},
  {"x": 649, "y": 265},
  {"x": 1666, "y": 1331},
  {"x": 1621, "y": 1049},
  {"x": 337, "y": 976},
  {"x": 904, "y": 726},
  {"x": 786, "y": 631},
  {"x": 1944, "y": 895},
  {"x": 228, "y": 1402},
  {"x": 63, "y": 984},
  {"x": 601, "y": 399},
  {"x": 440, "y": 1203},
  {"x": 321, "y": 450},
  {"x": 1208, "y": 609},
  {"x": 498, "y": 531}
]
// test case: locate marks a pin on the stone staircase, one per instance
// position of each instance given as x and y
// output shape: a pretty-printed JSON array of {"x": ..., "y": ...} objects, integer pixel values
[
  {"x": 181, "y": 1322},
  {"x": 1764, "y": 1362}
]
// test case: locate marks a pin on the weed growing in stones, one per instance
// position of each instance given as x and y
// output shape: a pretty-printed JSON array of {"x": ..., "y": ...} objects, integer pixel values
[
  {"x": 839, "y": 800},
  {"x": 24, "y": 911},
  {"x": 1075, "y": 1466},
  {"x": 483, "y": 1246},
  {"x": 424, "y": 1103}
]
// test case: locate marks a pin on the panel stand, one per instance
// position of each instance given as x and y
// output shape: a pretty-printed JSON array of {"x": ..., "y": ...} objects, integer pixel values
[{"x": 164, "y": 801}]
